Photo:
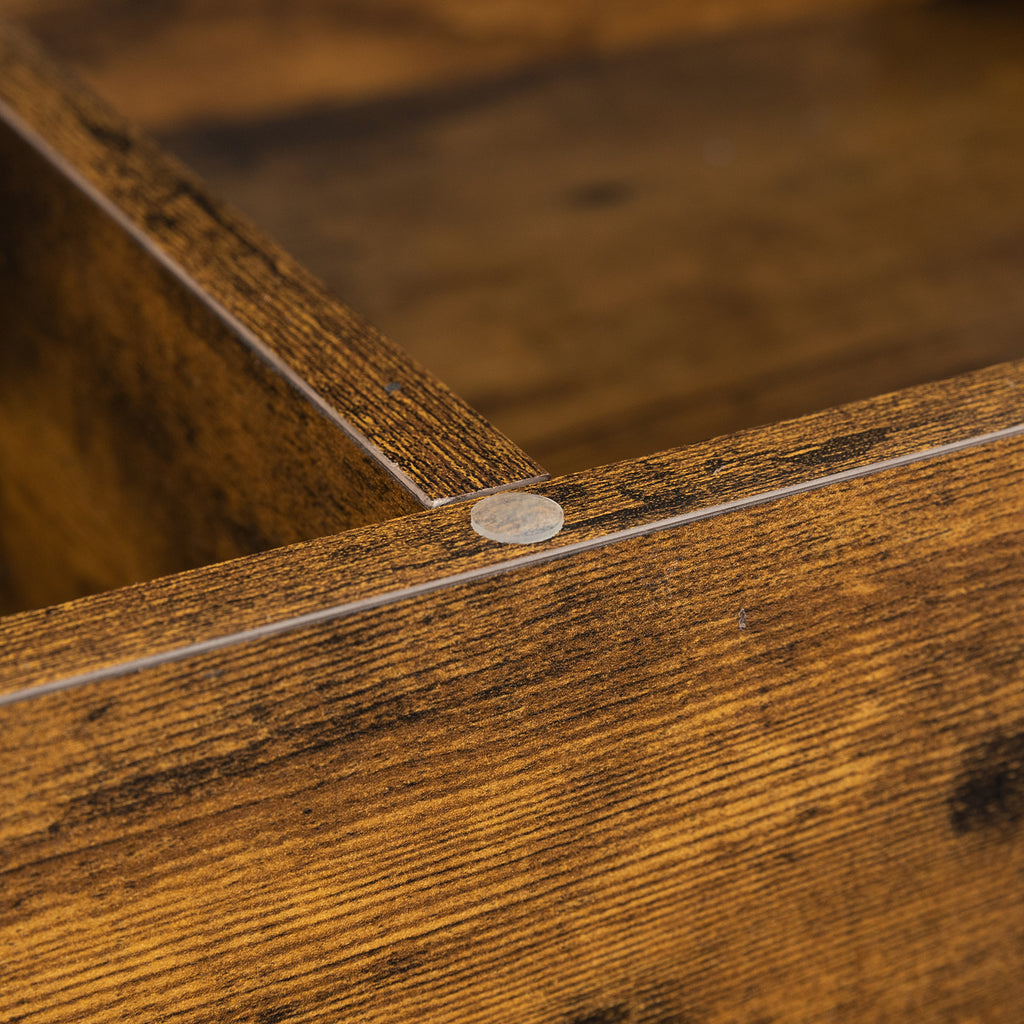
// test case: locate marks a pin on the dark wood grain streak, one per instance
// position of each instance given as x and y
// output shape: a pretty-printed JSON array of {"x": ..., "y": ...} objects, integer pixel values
[
  {"x": 107, "y": 629},
  {"x": 403, "y": 417},
  {"x": 766, "y": 767}
]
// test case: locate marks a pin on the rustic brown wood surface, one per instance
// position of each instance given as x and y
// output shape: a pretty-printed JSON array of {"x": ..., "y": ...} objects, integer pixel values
[
  {"x": 744, "y": 743},
  {"x": 613, "y": 257},
  {"x": 768, "y": 766},
  {"x": 412, "y": 424},
  {"x": 109, "y": 630},
  {"x": 138, "y": 435},
  {"x": 168, "y": 61}
]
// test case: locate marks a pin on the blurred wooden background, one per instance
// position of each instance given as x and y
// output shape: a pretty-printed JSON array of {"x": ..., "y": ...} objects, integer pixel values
[
  {"x": 612, "y": 227},
  {"x": 165, "y": 61}
]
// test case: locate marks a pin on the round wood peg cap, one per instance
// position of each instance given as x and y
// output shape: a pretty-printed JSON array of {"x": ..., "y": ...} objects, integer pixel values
[{"x": 515, "y": 517}]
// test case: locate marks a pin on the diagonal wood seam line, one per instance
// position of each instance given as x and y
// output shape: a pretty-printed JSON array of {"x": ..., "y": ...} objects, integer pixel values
[
  {"x": 245, "y": 334},
  {"x": 390, "y": 597}
]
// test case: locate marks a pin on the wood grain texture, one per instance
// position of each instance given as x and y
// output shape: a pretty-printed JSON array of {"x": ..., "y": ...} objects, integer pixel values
[
  {"x": 765, "y": 767},
  {"x": 138, "y": 435},
  {"x": 178, "y": 59},
  {"x": 156, "y": 618},
  {"x": 611, "y": 257},
  {"x": 415, "y": 429}
]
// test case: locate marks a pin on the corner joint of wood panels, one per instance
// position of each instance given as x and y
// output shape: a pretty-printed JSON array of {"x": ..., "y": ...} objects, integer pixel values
[
  {"x": 176, "y": 390},
  {"x": 740, "y": 738}
]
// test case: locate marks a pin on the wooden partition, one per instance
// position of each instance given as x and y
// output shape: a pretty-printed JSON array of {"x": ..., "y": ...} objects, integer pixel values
[{"x": 174, "y": 390}]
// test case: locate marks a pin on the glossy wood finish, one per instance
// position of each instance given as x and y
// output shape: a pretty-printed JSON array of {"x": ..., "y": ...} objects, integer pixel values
[
  {"x": 611, "y": 257},
  {"x": 762, "y": 767},
  {"x": 108, "y": 632},
  {"x": 174, "y": 390}
]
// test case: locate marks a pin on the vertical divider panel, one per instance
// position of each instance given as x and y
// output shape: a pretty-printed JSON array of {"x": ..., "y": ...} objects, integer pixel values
[{"x": 174, "y": 390}]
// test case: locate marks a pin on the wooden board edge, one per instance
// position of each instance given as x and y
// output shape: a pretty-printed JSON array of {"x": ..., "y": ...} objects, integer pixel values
[{"x": 282, "y": 589}]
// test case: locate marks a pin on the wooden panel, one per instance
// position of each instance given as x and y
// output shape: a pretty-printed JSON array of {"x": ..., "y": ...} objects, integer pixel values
[
  {"x": 762, "y": 767},
  {"x": 138, "y": 435},
  {"x": 110, "y": 631},
  {"x": 174, "y": 60},
  {"x": 438, "y": 447},
  {"x": 147, "y": 426},
  {"x": 613, "y": 257}
]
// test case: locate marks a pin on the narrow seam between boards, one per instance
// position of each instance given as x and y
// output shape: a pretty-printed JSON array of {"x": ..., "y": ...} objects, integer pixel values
[
  {"x": 386, "y": 598},
  {"x": 248, "y": 337}
]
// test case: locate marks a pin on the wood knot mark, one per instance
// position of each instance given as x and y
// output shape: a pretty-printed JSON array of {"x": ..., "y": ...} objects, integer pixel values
[
  {"x": 96, "y": 713},
  {"x": 989, "y": 792}
]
